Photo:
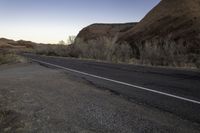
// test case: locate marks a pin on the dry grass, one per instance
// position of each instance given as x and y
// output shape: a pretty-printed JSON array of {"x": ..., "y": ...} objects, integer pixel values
[
  {"x": 167, "y": 52},
  {"x": 52, "y": 50},
  {"x": 155, "y": 52},
  {"x": 7, "y": 57},
  {"x": 106, "y": 49}
]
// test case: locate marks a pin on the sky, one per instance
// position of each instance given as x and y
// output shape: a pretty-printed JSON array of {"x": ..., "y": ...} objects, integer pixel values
[{"x": 49, "y": 21}]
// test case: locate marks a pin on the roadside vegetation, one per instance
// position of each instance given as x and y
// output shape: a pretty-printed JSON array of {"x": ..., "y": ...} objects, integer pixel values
[
  {"x": 156, "y": 52},
  {"x": 52, "y": 50},
  {"x": 7, "y": 57},
  {"x": 168, "y": 52},
  {"x": 106, "y": 49},
  {"x": 10, "y": 50}
]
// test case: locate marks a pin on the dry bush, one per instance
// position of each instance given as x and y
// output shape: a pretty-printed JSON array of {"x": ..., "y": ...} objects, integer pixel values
[
  {"x": 157, "y": 52},
  {"x": 9, "y": 57},
  {"x": 167, "y": 52},
  {"x": 52, "y": 50},
  {"x": 102, "y": 49}
]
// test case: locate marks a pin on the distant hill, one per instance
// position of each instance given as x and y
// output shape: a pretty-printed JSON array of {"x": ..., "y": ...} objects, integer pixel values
[
  {"x": 11, "y": 44},
  {"x": 95, "y": 31},
  {"x": 5, "y": 43}
]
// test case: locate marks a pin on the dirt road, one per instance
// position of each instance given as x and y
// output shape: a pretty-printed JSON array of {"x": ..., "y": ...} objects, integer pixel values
[{"x": 34, "y": 98}]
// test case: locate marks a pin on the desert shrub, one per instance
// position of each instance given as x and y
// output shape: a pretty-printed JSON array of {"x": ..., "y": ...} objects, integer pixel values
[
  {"x": 157, "y": 52},
  {"x": 52, "y": 50},
  {"x": 104, "y": 48},
  {"x": 167, "y": 52},
  {"x": 9, "y": 57}
]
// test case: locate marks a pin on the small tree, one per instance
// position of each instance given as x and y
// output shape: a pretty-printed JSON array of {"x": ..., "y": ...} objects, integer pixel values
[{"x": 71, "y": 40}]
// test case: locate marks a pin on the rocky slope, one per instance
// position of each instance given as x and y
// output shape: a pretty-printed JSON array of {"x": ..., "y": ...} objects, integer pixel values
[
  {"x": 96, "y": 31},
  {"x": 179, "y": 19},
  {"x": 168, "y": 35}
]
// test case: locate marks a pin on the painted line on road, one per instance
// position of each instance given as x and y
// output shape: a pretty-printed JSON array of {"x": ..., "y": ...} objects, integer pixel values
[{"x": 119, "y": 82}]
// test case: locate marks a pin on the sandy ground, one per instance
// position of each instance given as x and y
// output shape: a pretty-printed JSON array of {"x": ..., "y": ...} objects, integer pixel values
[{"x": 34, "y": 99}]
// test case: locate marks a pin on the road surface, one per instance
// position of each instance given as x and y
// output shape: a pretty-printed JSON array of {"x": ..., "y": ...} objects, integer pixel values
[
  {"x": 171, "y": 90},
  {"x": 38, "y": 99}
]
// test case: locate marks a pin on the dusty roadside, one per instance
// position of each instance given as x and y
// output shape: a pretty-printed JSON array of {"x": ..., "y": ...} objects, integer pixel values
[{"x": 34, "y": 98}]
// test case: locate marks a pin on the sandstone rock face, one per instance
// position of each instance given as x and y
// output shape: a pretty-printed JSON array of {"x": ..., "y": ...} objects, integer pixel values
[{"x": 96, "y": 31}]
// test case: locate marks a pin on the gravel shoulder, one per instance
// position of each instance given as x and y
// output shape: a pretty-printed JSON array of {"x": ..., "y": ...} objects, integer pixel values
[{"x": 35, "y": 98}]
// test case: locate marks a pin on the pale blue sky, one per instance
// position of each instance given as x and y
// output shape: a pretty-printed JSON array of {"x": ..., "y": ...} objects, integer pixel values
[{"x": 49, "y": 21}]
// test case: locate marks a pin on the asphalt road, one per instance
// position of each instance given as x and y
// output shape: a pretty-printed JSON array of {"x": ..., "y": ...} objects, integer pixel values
[{"x": 172, "y": 90}]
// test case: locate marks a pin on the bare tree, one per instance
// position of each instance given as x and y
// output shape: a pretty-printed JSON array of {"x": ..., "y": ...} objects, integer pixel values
[{"x": 71, "y": 40}]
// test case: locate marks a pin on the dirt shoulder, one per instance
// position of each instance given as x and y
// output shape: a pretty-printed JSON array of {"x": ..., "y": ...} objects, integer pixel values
[{"x": 34, "y": 98}]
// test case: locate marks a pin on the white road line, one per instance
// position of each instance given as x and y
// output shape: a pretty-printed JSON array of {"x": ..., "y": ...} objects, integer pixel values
[{"x": 119, "y": 82}]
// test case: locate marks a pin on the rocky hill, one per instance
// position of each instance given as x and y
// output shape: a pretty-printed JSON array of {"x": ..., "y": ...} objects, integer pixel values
[
  {"x": 168, "y": 35},
  {"x": 178, "y": 18},
  {"x": 95, "y": 31}
]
